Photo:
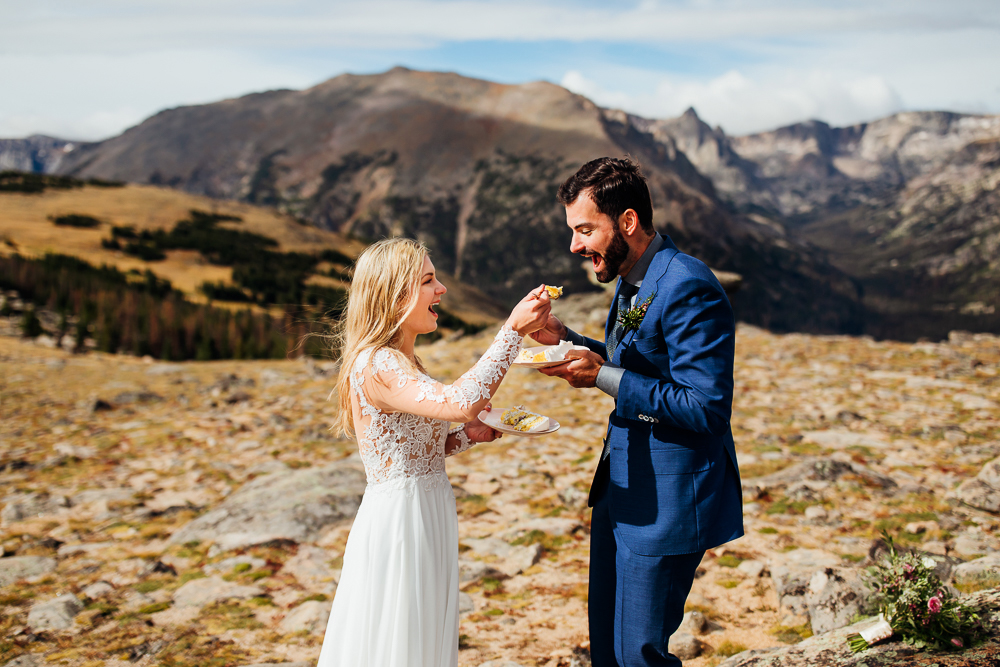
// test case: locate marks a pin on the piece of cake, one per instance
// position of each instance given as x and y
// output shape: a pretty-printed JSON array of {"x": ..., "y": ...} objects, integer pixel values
[
  {"x": 554, "y": 292},
  {"x": 520, "y": 419},
  {"x": 528, "y": 356},
  {"x": 558, "y": 352}
]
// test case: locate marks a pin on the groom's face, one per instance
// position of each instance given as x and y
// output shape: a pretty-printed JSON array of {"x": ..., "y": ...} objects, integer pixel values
[{"x": 597, "y": 236}]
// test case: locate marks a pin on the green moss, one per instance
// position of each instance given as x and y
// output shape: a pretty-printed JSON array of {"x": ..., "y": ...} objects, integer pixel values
[
  {"x": 155, "y": 607},
  {"x": 728, "y": 648},
  {"x": 729, "y": 583},
  {"x": 150, "y": 585},
  {"x": 791, "y": 634},
  {"x": 729, "y": 560},
  {"x": 767, "y": 530},
  {"x": 493, "y": 612},
  {"x": 242, "y": 567}
]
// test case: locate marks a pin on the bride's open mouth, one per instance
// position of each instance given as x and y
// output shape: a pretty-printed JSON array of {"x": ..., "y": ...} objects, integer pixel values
[{"x": 431, "y": 308}]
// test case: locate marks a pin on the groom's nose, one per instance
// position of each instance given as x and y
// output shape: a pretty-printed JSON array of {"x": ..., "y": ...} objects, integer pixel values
[{"x": 576, "y": 245}]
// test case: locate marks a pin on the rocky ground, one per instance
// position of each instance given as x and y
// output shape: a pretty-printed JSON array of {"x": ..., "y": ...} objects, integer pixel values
[{"x": 196, "y": 513}]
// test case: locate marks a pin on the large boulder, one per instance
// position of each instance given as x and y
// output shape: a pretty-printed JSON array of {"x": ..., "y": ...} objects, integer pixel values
[
  {"x": 792, "y": 573},
  {"x": 310, "y": 616},
  {"x": 823, "y": 469},
  {"x": 55, "y": 614},
  {"x": 201, "y": 592},
  {"x": 835, "y": 596},
  {"x": 982, "y": 491},
  {"x": 16, "y": 568},
  {"x": 978, "y": 574},
  {"x": 21, "y": 506},
  {"x": 294, "y": 505},
  {"x": 832, "y": 650}
]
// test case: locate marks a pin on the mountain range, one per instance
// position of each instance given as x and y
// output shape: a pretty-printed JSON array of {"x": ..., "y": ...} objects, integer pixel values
[{"x": 887, "y": 228}]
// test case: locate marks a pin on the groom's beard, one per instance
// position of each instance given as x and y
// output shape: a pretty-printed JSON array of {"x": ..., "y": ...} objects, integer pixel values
[{"x": 613, "y": 257}]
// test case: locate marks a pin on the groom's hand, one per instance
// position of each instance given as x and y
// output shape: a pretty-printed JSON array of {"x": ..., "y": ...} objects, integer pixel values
[
  {"x": 581, "y": 372},
  {"x": 553, "y": 332}
]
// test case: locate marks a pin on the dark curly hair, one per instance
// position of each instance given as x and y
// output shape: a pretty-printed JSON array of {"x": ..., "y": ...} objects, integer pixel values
[{"x": 615, "y": 185}]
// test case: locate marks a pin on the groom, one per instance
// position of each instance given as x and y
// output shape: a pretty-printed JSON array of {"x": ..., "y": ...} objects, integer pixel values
[{"x": 667, "y": 486}]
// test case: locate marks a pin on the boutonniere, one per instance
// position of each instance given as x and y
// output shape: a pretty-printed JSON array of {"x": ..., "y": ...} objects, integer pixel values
[{"x": 632, "y": 318}]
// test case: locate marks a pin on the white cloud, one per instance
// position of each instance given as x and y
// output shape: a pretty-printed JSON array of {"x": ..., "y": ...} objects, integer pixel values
[
  {"x": 89, "y": 69},
  {"x": 742, "y": 104},
  {"x": 91, "y": 96}
]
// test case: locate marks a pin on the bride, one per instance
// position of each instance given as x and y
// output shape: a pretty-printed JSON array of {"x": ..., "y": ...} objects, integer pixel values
[{"x": 397, "y": 602}]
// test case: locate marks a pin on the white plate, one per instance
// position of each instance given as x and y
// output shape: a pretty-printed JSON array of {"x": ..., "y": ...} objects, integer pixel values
[
  {"x": 492, "y": 419},
  {"x": 539, "y": 364}
]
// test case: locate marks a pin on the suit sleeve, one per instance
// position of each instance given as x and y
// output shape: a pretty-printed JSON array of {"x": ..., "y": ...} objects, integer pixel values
[
  {"x": 698, "y": 331},
  {"x": 595, "y": 346}
]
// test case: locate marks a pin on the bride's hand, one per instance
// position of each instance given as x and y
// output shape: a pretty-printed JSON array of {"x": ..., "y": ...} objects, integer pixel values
[
  {"x": 532, "y": 312},
  {"x": 480, "y": 432}
]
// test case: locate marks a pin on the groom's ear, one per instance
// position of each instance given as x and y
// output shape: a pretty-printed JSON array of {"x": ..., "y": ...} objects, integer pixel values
[{"x": 629, "y": 222}]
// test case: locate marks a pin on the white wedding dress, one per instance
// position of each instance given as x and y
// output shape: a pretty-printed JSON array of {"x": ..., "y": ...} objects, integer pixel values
[{"x": 397, "y": 601}]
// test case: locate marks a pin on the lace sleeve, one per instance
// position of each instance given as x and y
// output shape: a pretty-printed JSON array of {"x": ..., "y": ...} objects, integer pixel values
[
  {"x": 398, "y": 389},
  {"x": 462, "y": 441}
]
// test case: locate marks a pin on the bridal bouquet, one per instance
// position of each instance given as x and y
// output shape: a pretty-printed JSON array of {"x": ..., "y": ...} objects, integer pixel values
[{"x": 915, "y": 605}]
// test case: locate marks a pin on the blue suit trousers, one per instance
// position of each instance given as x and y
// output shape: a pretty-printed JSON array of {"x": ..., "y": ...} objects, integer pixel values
[{"x": 635, "y": 602}]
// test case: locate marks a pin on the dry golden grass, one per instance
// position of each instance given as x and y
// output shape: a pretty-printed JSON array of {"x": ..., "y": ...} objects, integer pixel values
[{"x": 26, "y": 228}]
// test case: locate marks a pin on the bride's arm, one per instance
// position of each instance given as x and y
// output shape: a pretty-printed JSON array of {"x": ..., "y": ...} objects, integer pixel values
[{"x": 394, "y": 387}]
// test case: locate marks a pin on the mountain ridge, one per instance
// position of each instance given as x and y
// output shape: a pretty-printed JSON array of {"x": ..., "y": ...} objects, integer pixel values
[{"x": 471, "y": 168}]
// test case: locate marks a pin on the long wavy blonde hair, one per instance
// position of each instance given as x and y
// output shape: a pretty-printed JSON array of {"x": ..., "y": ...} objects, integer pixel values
[{"x": 382, "y": 295}]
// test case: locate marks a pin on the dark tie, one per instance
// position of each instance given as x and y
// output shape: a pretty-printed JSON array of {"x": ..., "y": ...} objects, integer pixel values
[{"x": 624, "y": 302}]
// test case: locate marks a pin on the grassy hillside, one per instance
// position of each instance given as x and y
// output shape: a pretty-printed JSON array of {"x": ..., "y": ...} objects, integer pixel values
[{"x": 27, "y": 228}]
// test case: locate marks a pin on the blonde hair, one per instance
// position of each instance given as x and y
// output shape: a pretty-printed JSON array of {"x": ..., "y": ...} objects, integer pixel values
[{"x": 382, "y": 295}]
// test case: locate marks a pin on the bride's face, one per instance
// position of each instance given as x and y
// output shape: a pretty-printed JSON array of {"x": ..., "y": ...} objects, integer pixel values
[{"x": 422, "y": 319}]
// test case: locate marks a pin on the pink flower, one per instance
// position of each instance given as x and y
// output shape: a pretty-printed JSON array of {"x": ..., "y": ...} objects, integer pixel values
[
  {"x": 934, "y": 605},
  {"x": 957, "y": 642}
]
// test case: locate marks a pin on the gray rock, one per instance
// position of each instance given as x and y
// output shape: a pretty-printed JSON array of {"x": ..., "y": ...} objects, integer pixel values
[
  {"x": 791, "y": 573},
  {"x": 834, "y": 598},
  {"x": 465, "y": 603},
  {"x": 693, "y": 623},
  {"x": 282, "y": 664},
  {"x": 981, "y": 573},
  {"x": 310, "y": 566},
  {"x": 970, "y": 545},
  {"x": 200, "y": 592},
  {"x": 500, "y": 663},
  {"x": 473, "y": 570},
  {"x": 16, "y": 568},
  {"x": 26, "y": 660},
  {"x": 294, "y": 505},
  {"x": 310, "y": 616},
  {"x": 75, "y": 451},
  {"x": 822, "y": 470},
  {"x": 97, "y": 590},
  {"x": 55, "y": 614},
  {"x": 512, "y": 559},
  {"x": 21, "y": 506},
  {"x": 983, "y": 491},
  {"x": 549, "y": 526},
  {"x": 684, "y": 646},
  {"x": 752, "y": 568}
]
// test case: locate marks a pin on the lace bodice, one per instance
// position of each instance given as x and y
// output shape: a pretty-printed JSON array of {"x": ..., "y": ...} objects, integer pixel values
[{"x": 402, "y": 416}]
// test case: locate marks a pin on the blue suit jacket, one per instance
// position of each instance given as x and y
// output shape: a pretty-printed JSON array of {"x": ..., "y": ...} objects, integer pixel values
[{"x": 674, "y": 481}]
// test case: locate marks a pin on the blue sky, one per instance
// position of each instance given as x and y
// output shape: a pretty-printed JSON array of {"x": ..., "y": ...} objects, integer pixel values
[{"x": 90, "y": 69}]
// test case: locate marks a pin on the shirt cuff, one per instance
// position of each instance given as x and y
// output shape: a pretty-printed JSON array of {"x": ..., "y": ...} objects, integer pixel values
[{"x": 608, "y": 379}]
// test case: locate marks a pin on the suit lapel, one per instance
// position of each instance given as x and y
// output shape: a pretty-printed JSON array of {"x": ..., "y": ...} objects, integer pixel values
[{"x": 661, "y": 260}]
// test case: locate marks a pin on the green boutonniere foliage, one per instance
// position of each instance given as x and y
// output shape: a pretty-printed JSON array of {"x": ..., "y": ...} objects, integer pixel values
[{"x": 632, "y": 318}]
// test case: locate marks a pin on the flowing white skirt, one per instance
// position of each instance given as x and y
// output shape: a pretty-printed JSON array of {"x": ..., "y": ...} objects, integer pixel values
[{"x": 397, "y": 601}]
